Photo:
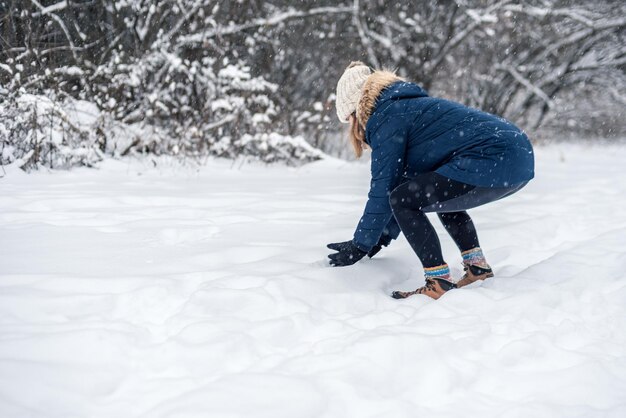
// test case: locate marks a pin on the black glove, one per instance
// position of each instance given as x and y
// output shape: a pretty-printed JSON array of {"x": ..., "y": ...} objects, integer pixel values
[
  {"x": 346, "y": 255},
  {"x": 384, "y": 241}
]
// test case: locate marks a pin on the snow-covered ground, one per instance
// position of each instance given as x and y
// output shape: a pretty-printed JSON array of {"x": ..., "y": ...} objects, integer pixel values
[{"x": 134, "y": 291}]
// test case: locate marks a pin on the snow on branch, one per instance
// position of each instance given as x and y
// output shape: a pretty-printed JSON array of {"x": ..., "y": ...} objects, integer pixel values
[
  {"x": 585, "y": 33},
  {"x": 46, "y": 11},
  {"x": 362, "y": 29},
  {"x": 526, "y": 83},
  {"x": 224, "y": 121},
  {"x": 6, "y": 68},
  {"x": 615, "y": 94},
  {"x": 269, "y": 21},
  {"x": 598, "y": 64},
  {"x": 460, "y": 37},
  {"x": 484, "y": 18},
  {"x": 49, "y": 9},
  {"x": 179, "y": 24},
  {"x": 582, "y": 16}
]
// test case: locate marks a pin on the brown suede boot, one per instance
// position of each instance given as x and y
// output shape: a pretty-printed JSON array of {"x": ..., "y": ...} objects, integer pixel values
[
  {"x": 473, "y": 274},
  {"x": 435, "y": 288}
]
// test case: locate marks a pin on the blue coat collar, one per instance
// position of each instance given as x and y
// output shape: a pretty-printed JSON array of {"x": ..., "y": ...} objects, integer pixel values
[{"x": 396, "y": 91}]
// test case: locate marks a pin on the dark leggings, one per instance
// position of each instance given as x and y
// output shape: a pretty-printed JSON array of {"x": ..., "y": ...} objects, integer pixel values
[{"x": 432, "y": 192}]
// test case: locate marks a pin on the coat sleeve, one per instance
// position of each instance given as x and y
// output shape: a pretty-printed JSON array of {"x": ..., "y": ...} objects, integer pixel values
[{"x": 388, "y": 155}]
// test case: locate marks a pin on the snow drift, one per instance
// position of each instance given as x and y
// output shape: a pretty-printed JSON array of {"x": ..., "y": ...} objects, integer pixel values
[{"x": 170, "y": 292}]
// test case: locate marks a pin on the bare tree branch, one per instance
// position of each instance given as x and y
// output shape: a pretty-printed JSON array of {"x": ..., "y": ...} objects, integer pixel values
[
  {"x": 371, "y": 54},
  {"x": 526, "y": 83},
  {"x": 580, "y": 15},
  {"x": 49, "y": 9},
  {"x": 459, "y": 38},
  {"x": 45, "y": 11},
  {"x": 278, "y": 18}
]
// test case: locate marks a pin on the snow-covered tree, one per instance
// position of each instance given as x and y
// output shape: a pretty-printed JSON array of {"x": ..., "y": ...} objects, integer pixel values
[{"x": 228, "y": 78}]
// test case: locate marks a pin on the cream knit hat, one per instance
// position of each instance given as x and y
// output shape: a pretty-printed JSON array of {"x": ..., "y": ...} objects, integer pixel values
[{"x": 349, "y": 89}]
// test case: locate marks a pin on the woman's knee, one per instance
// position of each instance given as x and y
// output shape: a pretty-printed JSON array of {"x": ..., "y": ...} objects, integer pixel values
[
  {"x": 406, "y": 195},
  {"x": 396, "y": 198}
]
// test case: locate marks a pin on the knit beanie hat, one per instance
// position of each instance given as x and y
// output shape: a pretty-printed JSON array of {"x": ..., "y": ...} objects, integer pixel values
[{"x": 349, "y": 89}]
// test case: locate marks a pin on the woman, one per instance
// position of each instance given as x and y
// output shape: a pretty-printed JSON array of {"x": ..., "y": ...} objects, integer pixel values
[{"x": 428, "y": 155}]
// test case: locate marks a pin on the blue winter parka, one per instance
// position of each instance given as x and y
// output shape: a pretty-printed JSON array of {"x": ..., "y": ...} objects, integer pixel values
[{"x": 411, "y": 133}]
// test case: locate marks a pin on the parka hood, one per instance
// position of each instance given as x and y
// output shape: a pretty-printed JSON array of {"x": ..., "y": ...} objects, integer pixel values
[{"x": 375, "y": 91}]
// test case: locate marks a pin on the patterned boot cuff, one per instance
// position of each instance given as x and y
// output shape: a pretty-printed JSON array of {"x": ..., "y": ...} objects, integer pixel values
[
  {"x": 442, "y": 272},
  {"x": 474, "y": 257}
]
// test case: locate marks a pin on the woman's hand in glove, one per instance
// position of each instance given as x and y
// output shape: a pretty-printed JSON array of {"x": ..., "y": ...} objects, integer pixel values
[
  {"x": 346, "y": 255},
  {"x": 384, "y": 241}
]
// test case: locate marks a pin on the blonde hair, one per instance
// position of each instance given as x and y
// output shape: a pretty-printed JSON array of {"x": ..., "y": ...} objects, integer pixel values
[
  {"x": 357, "y": 136},
  {"x": 370, "y": 91}
]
